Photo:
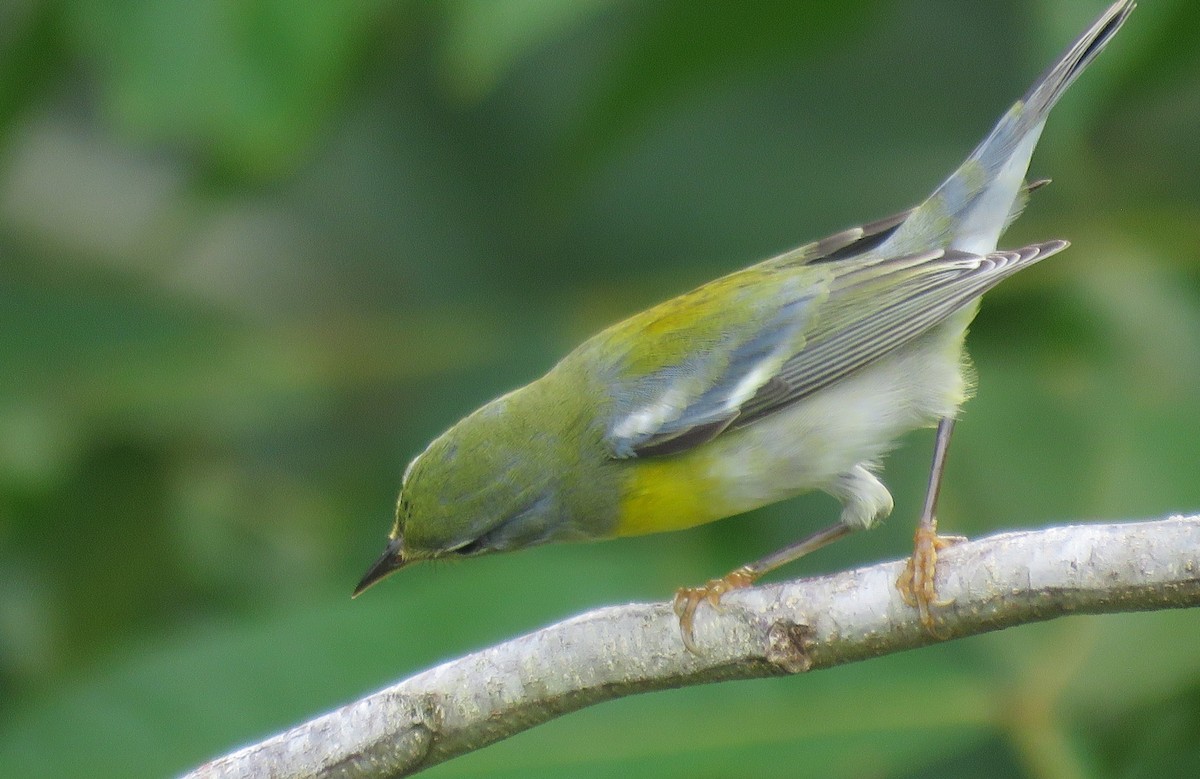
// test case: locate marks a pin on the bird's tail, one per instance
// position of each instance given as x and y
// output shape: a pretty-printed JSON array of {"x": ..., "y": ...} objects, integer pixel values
[{"x": 970, "y": 209}]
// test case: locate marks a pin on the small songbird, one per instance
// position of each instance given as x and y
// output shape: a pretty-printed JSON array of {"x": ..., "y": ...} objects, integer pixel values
[{"x": 792, "y": 375}]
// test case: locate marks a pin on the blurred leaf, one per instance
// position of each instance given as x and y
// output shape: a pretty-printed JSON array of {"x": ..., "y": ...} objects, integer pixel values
[
  {"x": 118, "y": 353},
  {"x": 1162, "y": 741},
  {"x": 677, "y": 47},
  {"x": 245, "y": 84},
  {"x": 1155, "y": 106},
  {"x": 484, "y": 39},
  {"x": 30, "y": 54}
]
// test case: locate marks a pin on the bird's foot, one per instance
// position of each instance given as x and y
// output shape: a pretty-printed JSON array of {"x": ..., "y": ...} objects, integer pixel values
[
  {"x": 687, "y": 599},
  {"x": 916, "y": 584}
]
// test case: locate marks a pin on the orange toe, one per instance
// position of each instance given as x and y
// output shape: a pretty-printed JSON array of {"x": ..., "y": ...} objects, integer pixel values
[
  {"x": 917, "y": 584},
  {"x": 688, "y": 599}
]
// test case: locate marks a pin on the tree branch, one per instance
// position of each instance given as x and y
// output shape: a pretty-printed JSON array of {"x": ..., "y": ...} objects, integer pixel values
[{"x": 466, "y": 704}]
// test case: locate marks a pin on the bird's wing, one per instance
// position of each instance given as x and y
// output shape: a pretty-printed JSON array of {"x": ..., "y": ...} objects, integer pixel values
[
  {"x": 894, "y": 302},
  {"x": 699, "y": 393},
  {"x": 679, "y": 373},
  {"x": 831, "y": 320}
]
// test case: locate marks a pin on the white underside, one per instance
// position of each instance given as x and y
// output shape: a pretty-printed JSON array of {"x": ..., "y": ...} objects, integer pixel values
[{"x": 831, "y": 440}]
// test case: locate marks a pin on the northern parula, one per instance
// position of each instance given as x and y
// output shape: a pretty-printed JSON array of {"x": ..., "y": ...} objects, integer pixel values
[{"x": 792, "y": 375}]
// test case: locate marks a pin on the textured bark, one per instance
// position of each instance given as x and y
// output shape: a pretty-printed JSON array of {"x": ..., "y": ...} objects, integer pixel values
[{"x": 994, "y": 582}]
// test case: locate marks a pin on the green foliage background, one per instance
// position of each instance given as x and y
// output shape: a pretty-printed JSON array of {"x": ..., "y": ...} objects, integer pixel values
[{"x": 254, "y": 254}]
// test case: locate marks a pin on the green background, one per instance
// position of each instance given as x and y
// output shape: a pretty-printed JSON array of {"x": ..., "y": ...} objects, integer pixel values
[{"x": 254, "y": 254}]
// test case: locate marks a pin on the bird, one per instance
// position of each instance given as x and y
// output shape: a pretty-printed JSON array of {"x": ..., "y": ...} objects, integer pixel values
[{"x": 795, "y": 374}]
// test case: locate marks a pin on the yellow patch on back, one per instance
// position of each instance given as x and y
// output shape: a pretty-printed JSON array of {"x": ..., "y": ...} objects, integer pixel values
[{"x": 673, "y": 330}]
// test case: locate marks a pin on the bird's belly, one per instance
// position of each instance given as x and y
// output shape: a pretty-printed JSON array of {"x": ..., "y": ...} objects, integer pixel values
[{"x": 804, "y": 446}]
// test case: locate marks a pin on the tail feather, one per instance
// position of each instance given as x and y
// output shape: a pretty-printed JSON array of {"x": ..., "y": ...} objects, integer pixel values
[{"x": 972, "y": 208}]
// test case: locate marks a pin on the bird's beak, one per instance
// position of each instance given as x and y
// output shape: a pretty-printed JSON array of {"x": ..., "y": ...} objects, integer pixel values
[{"x": 391, "y": 560}]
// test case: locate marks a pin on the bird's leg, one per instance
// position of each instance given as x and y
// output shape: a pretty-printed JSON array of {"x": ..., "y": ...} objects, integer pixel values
[
  {"x": 916, "y": 583},
  {"x": 687, "y": 599}
]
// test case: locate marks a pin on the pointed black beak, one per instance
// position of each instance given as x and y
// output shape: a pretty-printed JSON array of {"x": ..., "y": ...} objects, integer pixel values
[{"x": 391, "y": 560}]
